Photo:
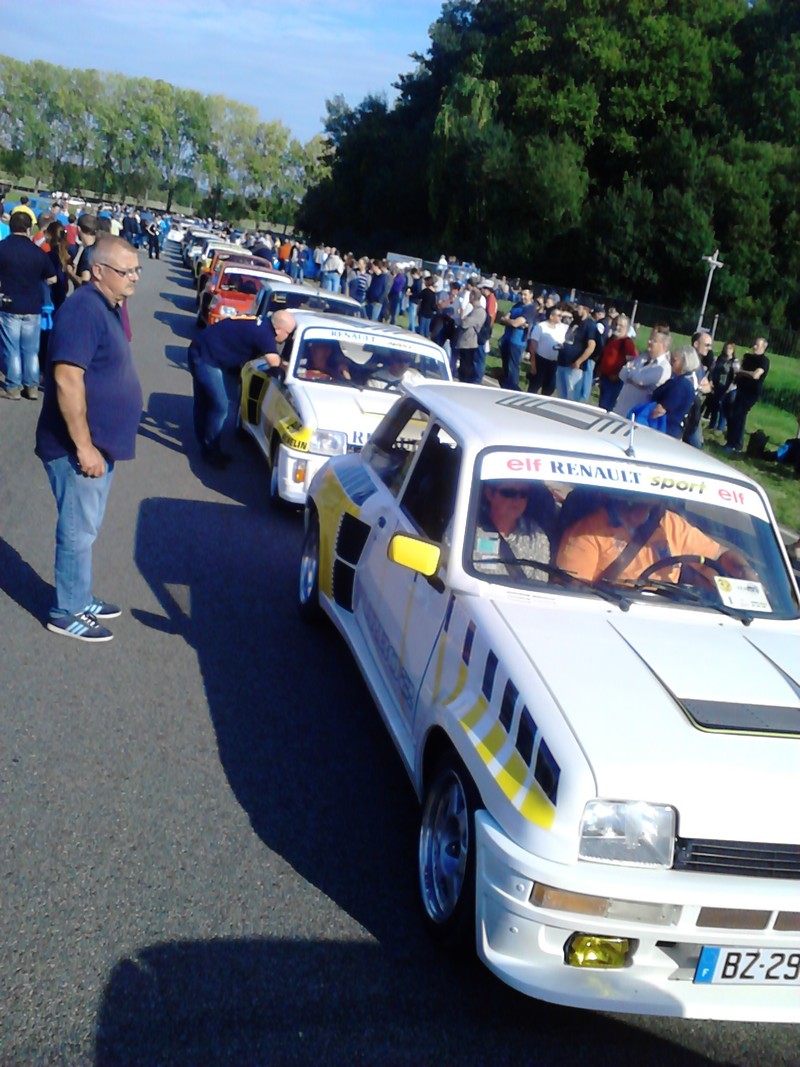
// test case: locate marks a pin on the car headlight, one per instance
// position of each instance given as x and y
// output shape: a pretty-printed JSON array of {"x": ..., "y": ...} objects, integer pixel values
[
  {"x": 630, "y": 832},
  {"x": 225, "y": 309},
  {"x": 328, "y": 442}
]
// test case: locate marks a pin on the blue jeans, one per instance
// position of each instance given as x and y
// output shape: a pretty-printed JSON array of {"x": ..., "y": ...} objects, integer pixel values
[
  {"x": 569, "y": 383},
  {"x": 330, "y": 280},
  {"x": 210, "y": 404},
  {"x": 585, "y": 388},
  {"x": 81, "y": 504},
  {"x": 395, "y": 300},
  {"x": 19, "y": 343},
  {"x": 374, "y": 309},
  {"x": 511, "y": 354},
  {"x": 425, "y": 325},
  {"x": 412, "y": 316}
]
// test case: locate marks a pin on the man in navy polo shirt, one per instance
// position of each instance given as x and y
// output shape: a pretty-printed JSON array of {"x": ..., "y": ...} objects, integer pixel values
[
  {"x": 89, "y": 420},
  {"x": 24, "y": 269},
  {"x": 228, "y": 345}
]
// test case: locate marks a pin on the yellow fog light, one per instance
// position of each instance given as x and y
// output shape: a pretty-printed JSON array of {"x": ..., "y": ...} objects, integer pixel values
[
  {"x": 299, "y": 474},
  {"x": 590, "y": 950}
]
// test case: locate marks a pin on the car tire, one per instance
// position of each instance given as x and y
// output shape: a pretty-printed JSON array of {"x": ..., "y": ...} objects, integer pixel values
[
  {"x": 446, "y": 855},
  {"x": 275, "y": 498},
  {"x": 308, "y": 586}
]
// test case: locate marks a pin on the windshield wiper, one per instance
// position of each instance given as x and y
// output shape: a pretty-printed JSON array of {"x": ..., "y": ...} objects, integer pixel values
[{"x": 612, "y": 595}]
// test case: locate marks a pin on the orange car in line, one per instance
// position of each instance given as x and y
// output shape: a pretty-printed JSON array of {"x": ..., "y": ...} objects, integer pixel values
[{"x": 233, "y": 290}]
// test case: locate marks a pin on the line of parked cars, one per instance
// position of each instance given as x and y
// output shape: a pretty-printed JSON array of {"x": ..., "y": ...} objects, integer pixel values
[{"x": 583, "y": 638}]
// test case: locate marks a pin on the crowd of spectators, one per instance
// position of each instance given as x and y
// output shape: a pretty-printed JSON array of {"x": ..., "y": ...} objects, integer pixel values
[
  {"x": 42, "y": 258},
  {"x": 565, "y": 347}
]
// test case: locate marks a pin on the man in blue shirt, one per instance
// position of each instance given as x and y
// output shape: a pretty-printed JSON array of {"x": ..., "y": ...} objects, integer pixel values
[
  {"x": 24, "y": 269},
  {"x": 518, "y": 323},
  {"x": 228, "y": 345},
  {"x": 89, "y": 420},
  {"x": 378, "y": 290}
]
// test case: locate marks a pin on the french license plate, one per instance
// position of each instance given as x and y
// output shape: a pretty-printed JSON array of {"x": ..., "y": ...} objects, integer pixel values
[{"x": 738, "y": 966}]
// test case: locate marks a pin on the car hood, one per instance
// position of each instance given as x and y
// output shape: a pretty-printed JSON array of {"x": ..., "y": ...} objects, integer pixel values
[
  {"x": 342, "y": 407},
  {"x": 674, "y": 707}
]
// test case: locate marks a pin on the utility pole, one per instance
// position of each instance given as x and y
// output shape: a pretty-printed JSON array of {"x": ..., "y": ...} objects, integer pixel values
[{"x": 713, "y": 263}]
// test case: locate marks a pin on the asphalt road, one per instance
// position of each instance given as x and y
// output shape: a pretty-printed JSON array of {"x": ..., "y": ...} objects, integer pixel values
[{"x": 207, "y": 851}]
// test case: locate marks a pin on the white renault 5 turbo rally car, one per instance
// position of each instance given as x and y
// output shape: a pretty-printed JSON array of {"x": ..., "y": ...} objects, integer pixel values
[
  {"x": 584, "y": 641},
  {"x": 339, "y": 377}
]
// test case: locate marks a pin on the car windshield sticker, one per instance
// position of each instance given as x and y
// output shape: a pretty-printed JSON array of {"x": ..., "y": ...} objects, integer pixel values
[
  {"x": 371, "y": 343},
  {"x": 243, "y": 272},
  {"x": 741, "y": 593},
  {"x": 611, "y": 474}
]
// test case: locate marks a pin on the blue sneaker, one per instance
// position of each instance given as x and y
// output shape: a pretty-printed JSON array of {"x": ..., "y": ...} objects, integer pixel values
[
  {"x": 101, "y": 609},
  {"x": 83, "y": 627}
]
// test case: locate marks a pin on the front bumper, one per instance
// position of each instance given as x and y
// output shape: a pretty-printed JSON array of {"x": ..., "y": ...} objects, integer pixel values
[{"x": 525, "y": 945}]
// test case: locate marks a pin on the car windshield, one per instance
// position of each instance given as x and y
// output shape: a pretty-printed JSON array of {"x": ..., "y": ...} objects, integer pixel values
[
  {"x": 242, "y": 281},
  {"x": 626, "y": 531},
  {"x": 302, "y": 299},
  {"x": 365, "y": 360}
]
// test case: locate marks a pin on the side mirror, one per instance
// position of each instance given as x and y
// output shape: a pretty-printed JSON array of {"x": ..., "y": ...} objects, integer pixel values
[{"x": 420, "y": 556}]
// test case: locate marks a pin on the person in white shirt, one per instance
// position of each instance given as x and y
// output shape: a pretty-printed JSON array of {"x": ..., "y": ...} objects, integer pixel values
[
  {"x": 543, "y": 346},
  {"x": 645, "y": 373}
]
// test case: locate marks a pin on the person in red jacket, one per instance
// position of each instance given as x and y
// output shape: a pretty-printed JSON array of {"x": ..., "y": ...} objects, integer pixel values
[{"x": 618, "y": 350}]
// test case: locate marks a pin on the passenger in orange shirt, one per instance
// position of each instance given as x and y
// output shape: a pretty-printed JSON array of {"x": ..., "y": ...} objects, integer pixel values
[{"x": 591, "y": 546}]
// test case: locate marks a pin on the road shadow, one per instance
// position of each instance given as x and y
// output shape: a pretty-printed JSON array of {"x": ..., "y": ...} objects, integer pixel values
[
  {"x": 302, "y": 1002},
  {"x": 309, "y": 761},
  {"x": 22, "y": 584},
  {"x": 181, "y": 324},
  {"x": 349, "y": 830},
  {"x": 184, "y": 279},
  {"x": 176, "y": 355},
  {"x": 182, "y": 301},
  {"x": 168, "y": 421}
]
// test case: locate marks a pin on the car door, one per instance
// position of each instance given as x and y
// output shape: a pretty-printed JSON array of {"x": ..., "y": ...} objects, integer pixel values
[
  {"x": 400, "y": 611},
  {"x": 277, "y": 410}
]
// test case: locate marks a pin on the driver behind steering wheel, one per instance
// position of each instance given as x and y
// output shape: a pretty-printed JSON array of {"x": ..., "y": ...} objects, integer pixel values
[{"x": 591, "y": 547}]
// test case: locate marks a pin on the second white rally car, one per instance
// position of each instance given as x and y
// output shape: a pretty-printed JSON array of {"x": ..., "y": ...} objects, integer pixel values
[
  {"x": 584, "y": 639},
  {"x": 339, "y": 377}
]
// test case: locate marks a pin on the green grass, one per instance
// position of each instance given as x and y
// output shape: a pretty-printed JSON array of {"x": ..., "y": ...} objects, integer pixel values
[{"x": 777, "y": 480}]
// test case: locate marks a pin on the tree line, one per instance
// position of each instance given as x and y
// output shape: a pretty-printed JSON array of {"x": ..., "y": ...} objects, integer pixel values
[
  {"x": 139, "y": 138},
  {"x": 604, "y": 145}
]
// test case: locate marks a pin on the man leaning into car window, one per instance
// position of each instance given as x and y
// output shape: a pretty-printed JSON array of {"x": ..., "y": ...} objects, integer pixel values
[
  {"x": 227, "y": 346},
  {"x": 590, "y": 548},
  {"x": 508, "y": 537}
]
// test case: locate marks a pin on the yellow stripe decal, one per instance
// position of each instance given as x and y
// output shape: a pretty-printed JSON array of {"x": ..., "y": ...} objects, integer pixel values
[
  {"x": 475, "y": 713},
  {"x": 537, "y": 808},
  {"x": 512, "y": 777},
  {"x": 492, "y": 743},
  {"x": 437, "y": 681},
  {"x": 460, "y": 683}
]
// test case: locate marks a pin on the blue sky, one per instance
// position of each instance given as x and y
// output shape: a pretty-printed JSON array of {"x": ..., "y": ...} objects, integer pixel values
[{"x": 284, "y": 57}]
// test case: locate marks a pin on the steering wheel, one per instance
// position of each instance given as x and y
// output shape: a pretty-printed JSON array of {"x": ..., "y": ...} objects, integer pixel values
[{"x": 673, "y": 561}]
